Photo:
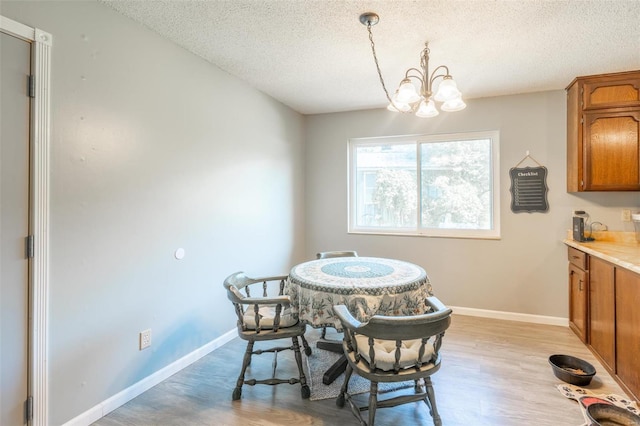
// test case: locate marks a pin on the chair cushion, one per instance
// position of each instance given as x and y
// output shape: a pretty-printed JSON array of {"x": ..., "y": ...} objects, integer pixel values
[
  {"x": 385, "y": 352},
  {"x": 267, "y": 315}
]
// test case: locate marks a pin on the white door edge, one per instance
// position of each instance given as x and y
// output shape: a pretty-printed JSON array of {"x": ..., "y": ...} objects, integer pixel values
[{"x": 39, "y": 175}]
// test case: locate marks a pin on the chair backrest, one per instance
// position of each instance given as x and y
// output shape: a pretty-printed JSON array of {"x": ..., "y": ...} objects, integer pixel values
[
  {"x": 398, "y": 329},
  {"x": 238, "y": 287},
  {"x": 328, "y": 254},
  {"x": 239, "y": 281}
]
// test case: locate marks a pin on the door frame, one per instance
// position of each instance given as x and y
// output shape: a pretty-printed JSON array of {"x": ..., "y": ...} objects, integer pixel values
[{"x": 39, "y": 144}]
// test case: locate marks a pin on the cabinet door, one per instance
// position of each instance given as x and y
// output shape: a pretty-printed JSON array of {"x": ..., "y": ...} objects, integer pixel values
[
  {"x": 611, "y": 94},
  {"x": 628, "y": 329},
  {"x": 602, "y": 310},
  {"x": 578, "y": 291},
  {"x": 612, "y": 151}
]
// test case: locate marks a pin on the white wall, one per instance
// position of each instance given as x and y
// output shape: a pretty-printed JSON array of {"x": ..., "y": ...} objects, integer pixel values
[
  {"x": 153, "y": 149},
  {"x": 525, "y": 271}
]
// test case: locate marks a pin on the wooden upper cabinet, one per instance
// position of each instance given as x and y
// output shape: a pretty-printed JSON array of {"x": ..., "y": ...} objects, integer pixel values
[
  {"x": 612, "y": 148},
  {"x": 608, "y": 93},
  {"x": 603, "y": 133}
]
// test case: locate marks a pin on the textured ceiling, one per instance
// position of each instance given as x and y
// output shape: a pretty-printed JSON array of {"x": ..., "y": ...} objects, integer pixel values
[{"x": 315, "y": 56}]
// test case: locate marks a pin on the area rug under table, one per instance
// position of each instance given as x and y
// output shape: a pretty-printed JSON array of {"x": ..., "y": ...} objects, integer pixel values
[
  {"x": 320, "y": 360},
  {"x": 580, "y": 394}
]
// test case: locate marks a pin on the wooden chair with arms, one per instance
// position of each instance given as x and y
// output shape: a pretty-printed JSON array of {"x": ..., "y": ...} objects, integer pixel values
[
  {"x": 262, "y": 317},
  {"x": 394, "y": 349}
]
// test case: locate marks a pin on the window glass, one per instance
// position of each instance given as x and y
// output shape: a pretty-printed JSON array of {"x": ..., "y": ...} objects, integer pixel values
[
  {"x": 456, "y": 184},
  {"x": 444, "y": 185},
  {"x": 386, "y": 175}
]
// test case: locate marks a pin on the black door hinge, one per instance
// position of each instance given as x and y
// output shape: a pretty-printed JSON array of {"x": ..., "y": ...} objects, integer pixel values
[
  {"x": 32, "y": 86},
  {"x": 29, "y": 247},
  {"x": 28, "y": 405}
]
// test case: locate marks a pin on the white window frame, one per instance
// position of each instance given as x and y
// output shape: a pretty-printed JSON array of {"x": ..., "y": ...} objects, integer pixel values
[{"x": 492, "y": 233}]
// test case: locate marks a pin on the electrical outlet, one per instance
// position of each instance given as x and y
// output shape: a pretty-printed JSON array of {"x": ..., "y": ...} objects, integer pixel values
[
  {"x": 145, "y": 339},
  {"x": 626, "y": 215}
]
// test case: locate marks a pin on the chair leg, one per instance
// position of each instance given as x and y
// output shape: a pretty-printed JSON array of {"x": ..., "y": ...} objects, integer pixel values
[
  {"x": 437, "y": 421},
  {"x": 324, "y": 333},
  {"x": 237, "y": 392},
  {"x": 345, "y": 386},
  {"x": 307, "y": 349},
  {"x": 373, "y": 402},
  {"x": 305, "y": 391}
]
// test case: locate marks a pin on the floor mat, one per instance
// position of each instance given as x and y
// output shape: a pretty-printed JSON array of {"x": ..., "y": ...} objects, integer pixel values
[
  {"x": 320, "y": 360},
  {"x": 579, "y": 394}
]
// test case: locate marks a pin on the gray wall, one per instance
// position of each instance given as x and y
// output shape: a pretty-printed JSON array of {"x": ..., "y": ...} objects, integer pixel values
[
  {"x": 524, "y": 271},
  {"x": 153, "y": 149}
]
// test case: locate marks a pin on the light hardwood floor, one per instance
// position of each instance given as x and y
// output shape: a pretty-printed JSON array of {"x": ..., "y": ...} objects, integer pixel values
[{"x": 493, "y": 372}]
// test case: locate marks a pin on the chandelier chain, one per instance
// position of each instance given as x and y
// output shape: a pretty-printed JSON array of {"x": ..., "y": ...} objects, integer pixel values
[{"x": 375, "y": 59}]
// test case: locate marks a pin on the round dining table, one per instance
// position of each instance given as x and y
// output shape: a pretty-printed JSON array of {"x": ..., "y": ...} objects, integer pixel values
[{"x": 366, "y": 285}]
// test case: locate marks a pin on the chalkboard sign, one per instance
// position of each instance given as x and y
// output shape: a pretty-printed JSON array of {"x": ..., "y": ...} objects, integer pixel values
[{"x": 529, "y": 189}]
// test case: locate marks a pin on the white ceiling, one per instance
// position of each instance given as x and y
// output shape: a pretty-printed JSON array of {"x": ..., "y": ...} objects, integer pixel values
[{"x": 315, "y": 56}]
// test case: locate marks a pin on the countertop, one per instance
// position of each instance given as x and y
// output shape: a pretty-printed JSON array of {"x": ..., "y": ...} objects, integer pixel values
[{"x": 619, "y": 248}]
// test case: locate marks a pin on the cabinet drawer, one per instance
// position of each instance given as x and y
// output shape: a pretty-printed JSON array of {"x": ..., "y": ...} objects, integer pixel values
[{"x": 578, "y": 258}]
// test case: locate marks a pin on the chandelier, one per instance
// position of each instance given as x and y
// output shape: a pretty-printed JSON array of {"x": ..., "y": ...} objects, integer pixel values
[{"x": 408, "y": 98}]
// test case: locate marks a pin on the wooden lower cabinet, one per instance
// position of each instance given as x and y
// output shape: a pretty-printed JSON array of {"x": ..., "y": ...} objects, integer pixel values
[
  {"x": 578, "y": 291},
  {"x": 602, "y": 314},
  {"x": 627, "y": 290}
]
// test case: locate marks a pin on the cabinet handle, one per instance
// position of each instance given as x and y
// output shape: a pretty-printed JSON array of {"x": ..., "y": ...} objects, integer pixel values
[{"x": 580, "y": 285}]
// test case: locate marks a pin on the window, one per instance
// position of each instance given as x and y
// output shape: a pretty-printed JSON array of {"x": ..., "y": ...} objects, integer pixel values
[{"x": 440, "y": 185}]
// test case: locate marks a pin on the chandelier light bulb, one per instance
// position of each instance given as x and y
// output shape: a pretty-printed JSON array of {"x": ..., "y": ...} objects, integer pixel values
[
  {"x": 396, "y": 106},
  {"x": 427, "y": 109},
  {"x": 456, "y": 104},
  {"x": 399, "y": 107},
  {"x": 447, "y": 90},
  {"x": 407, "y": 93}
]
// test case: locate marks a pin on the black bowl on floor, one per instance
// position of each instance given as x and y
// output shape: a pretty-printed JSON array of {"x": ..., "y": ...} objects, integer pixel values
[
  {"x": 572, "y": 370},
  {"x": 609, "y": 414}
]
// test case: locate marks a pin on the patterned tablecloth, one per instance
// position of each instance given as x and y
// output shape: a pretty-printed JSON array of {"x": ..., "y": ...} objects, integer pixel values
[{"x": 367, "y": 285}]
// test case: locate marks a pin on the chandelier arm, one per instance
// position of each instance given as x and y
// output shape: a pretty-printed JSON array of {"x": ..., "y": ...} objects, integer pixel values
[
  {"x": 434, "y": 76},
  {"x": 375, "y": 59},
  {"x": 420, "y": 75},
  {"x": 425, "y": 89}
]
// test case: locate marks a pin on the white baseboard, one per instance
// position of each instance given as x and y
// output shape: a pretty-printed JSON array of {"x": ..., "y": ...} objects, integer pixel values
[
  {"x": 121, "y": 398},
  {"x": 511, "y": 316}
]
